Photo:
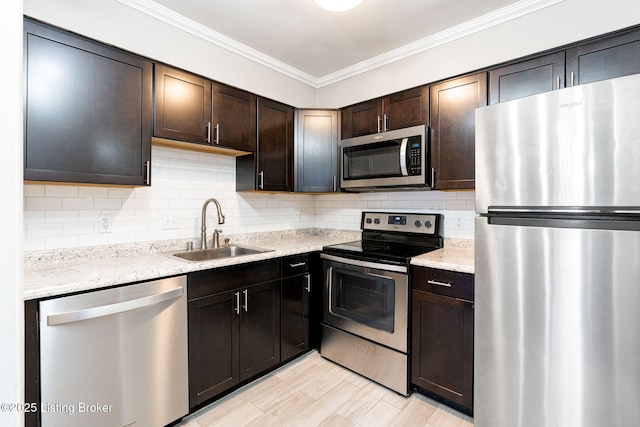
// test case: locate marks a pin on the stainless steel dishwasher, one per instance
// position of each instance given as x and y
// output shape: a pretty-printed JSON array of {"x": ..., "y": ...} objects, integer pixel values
[{"x": 115, "y": 357}]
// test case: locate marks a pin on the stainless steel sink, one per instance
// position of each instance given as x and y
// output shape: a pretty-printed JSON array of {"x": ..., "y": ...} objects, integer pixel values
[{"x": 218, "y": 253}]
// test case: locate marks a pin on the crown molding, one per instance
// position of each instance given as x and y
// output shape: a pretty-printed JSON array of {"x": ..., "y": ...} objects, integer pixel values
[
  {"x": 168, "y": 16},
  {"x": 497, "y": 17}
]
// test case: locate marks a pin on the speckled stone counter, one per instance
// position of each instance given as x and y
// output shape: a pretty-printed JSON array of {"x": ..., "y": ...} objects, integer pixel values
[
  {"x": 53, "y": 273},
  {"x": 456, "y": 255}
]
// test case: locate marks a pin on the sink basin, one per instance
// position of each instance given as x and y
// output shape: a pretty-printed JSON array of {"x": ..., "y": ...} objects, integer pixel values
[{"x": 218, "y": 253}]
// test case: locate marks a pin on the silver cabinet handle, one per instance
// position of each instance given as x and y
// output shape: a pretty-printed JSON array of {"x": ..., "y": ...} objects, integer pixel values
[
  {"x": 297, "y": 264},
  {"x": 335, "y": 180},
  {"x": 237, "y": 307},
  {"x": 433, "y": 177},
  {"x": 120, "y": 307},
  {"x": 147, "y": 175},
  {"x": 261, "y": 180},
  {"x": 378, "y": 124},
  {"x": 246, "y": 300},
  {"x": 385, "y": 123},
  {"x": 572, "y": 81},
  {"x": 217, "y": 140},
  {"x": 208, "y": 138},
  {"x": 558, "y": 82},
  {"x": 308, "y": 287},
  {"x": 435, "y": 282}
]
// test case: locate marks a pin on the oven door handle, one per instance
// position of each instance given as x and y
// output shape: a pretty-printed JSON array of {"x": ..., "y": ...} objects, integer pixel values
[{"x": 365, "y": 264}]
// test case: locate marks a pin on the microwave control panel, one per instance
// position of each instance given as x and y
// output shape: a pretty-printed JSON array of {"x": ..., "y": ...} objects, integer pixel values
[{"x": 414, "y": 156}]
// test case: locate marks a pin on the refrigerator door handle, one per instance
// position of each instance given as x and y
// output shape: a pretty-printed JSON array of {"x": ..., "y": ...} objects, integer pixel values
[
  {"x": 535, "y": 210},
  {"x": 589, "y": 223}
]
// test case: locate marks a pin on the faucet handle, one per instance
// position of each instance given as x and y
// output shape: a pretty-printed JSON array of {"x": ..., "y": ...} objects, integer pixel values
[{"x": 216, "y": 237}]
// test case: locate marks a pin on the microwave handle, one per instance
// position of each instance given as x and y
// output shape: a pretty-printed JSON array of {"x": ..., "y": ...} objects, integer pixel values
[{"x": 403, "y": 157}]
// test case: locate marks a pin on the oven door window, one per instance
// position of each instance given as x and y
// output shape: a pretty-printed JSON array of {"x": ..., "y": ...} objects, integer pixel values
[
  {"x": 375, "y": 160},
  {"x": 365, "y": 298}
]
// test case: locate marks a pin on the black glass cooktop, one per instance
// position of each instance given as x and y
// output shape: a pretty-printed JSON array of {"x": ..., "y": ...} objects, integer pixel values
[{"x": 395, "y": 253}]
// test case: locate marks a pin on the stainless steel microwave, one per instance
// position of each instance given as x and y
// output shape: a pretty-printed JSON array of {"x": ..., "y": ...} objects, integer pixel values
[{"x": 393, "y": 160}]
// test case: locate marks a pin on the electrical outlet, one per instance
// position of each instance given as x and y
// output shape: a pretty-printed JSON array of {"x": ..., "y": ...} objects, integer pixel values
[
  {"x": 459, "y": 223},
  {"x": 104, "y": 223},
  {"x": 169, "y": 222}
]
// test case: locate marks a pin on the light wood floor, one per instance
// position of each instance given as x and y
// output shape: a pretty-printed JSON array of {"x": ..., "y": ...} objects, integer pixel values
[{"x": 312, "y": 391}]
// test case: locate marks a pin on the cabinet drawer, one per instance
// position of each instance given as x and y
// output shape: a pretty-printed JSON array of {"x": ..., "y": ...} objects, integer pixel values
[
  {"x": 209, "y": 282},
  {"x": 294, "y": 265},
  {"x": 443, "y": 282}
]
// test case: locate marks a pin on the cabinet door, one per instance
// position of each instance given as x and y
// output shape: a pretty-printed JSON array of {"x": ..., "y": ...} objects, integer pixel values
[
  {"x": 611, "y": 57},
  {"x": 259, "y": 328},
  {"x": 295, "y": 315},
  {"x": 234, "y": 118},
  {"x": 316, "y": 151},
  {"x": 537, "y": 75},
  {"x": 442, "y": 347},
  {"x": 214, "y": 346},
  {"x": 362, "y": 119},
  {"x": 183, "y": 106},
  {"x": 275, "y": 146},
  {"x": 87, "y": 110},
  {"x": 405, "y": 109},
  {"x": 453, "y": 125}
]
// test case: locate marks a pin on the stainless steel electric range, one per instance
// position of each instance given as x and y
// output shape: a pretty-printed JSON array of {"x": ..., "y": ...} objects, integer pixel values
[{"x": 366, "y": 295}]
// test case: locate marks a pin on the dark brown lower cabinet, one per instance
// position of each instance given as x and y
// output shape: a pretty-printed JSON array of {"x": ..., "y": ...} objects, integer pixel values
[
  {"x": 442, "y": 336},
  {"x": 234, "y": 334},
  {"x": 296, "y": 289}
]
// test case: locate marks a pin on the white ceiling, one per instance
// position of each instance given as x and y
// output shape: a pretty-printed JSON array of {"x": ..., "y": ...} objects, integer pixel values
[{"x": 302, "y": 40}]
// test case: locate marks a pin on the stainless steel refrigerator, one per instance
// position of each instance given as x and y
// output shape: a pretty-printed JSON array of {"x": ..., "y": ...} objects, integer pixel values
[{"x": 557, "y": 284}]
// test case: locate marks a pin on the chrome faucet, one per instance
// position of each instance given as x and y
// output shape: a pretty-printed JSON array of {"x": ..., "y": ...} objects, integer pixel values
[{"x": 203, "y": 235}]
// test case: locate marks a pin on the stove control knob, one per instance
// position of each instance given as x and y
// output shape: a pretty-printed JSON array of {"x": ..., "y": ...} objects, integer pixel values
[
  {"x": 376, "y": 221},
  {"x": 417, "y": 224},
  {"x": 368, "y": 221},
  {"x": 428, "y": 224}
]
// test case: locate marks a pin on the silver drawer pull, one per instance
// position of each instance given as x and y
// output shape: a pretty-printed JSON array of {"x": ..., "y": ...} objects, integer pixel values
[
  {"x": 298, "y": 264},
  {"x": 435, "y": 282}
]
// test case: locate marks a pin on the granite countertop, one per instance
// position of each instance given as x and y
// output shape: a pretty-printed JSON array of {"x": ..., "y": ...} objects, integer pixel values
[
  {"x": 456, "y": 255},
  {"x": 54, "y": 273}
]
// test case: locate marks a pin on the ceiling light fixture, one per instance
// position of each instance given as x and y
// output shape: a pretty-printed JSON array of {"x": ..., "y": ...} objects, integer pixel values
[{"x": 338, "y": 5}]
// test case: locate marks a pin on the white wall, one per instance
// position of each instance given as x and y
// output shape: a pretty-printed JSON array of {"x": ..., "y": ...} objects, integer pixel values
[
  {"x": 115, "y": 23},
  {"x": 69, "y": 216},
  {"x": 11, "y": 304},
  {"x": 564, "y": 23}
]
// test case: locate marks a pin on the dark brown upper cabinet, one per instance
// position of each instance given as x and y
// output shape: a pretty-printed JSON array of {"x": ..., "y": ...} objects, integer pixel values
[
  {"x": 182, "y": 106},
  {"x": 88, "y": 110},
  {"x": 453, "y": 124},
  {"x": 193, "y": 109},
  {"x": 396, "y": 111},
  {"x": 316, "y": 151},
  {"x": 275, "y": 146},
  {"x": 271, "y": 167},
  {"x": 607, "y": 57},
  {"x": 530, "y": 77},
  {"x": 613, "y": 56},
  {"x": 234, "y": 118}
]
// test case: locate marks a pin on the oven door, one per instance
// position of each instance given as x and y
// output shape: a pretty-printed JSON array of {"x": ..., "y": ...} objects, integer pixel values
[{"x": 367, "y": 299}]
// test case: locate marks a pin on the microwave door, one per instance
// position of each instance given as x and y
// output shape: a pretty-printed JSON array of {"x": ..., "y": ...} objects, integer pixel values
[{"x": 376, "y": 160}]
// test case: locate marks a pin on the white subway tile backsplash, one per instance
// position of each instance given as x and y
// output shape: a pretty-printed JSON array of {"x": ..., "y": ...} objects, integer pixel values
[
  {"x": 43, "y": 203},
  {"x": 64, "y": 216}
]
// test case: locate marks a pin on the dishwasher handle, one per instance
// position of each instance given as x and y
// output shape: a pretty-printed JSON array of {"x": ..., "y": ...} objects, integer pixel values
[{"x": 120, "y": 307}]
